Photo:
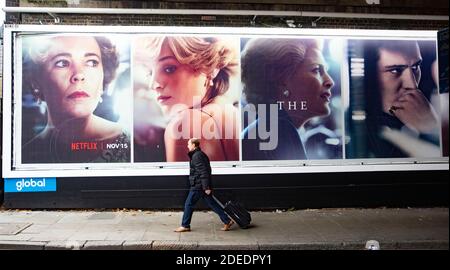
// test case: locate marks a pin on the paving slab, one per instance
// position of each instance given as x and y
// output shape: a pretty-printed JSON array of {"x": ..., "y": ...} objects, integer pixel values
[{"x": 13, "y": 228}]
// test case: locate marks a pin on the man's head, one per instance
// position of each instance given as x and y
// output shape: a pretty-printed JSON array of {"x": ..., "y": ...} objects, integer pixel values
[
  {"x": 398, "y": 70},
  {"x": 193, "y": 144}
]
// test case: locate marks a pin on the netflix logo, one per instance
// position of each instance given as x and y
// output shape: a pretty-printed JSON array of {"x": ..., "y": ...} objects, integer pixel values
[{"x": 77, "y": 146}]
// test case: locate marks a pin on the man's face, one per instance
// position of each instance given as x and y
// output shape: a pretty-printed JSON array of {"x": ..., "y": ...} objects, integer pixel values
[
  {"x": 398, "y": 71},
  {"x": 190, "y": 146}
]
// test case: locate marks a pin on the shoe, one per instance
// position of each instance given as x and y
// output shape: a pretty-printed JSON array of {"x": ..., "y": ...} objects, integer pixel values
[
  {"x": 227, "y": 227},
  {"x": 182, "y": 229}
]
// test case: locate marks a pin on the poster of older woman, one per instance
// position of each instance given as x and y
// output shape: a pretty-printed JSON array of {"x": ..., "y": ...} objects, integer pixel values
[
  {"x": 291, "y": 99},
  {"x": 70, "y": 88}
]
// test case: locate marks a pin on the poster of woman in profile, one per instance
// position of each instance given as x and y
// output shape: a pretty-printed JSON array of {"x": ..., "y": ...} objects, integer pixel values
[
  {"x": 186, "y": 87},
  {"x": 291, "y": 105}
]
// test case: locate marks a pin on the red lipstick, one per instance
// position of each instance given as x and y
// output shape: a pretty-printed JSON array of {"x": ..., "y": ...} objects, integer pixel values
[{"x": 78, "y": 94}]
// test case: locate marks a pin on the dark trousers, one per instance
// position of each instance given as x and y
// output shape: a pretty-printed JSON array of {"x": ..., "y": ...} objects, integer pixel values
[{"x": 192, "y": 199}]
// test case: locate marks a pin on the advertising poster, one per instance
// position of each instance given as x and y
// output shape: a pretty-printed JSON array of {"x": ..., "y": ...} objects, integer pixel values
[
  {"x": 443, "y": 60},
  {"x": 74, "y": 99},
  {"x": 186, "y": 87},
  {"x": 394, "y": 105},
  {"x": 292, "y": 99},
  {"x": 443, "y": 86}
]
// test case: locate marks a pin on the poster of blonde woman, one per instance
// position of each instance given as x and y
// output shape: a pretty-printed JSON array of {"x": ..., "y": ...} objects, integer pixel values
[{"x": 184, "y": 87}]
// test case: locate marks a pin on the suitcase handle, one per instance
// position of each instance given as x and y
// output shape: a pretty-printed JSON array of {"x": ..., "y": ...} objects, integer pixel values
[{"x": 219, "y": 202}]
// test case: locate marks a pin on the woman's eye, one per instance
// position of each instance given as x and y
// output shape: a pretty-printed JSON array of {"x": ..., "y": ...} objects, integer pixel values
[
  {"x": 62, "y": 63},
  {"x": 317, "y": 70},
  {"x": 170, "y": 69},
  {"x": 92, "y": 63}
]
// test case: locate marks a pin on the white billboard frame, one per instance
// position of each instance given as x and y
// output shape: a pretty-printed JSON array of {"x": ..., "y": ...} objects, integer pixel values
[{"x": 181, "y": 168}]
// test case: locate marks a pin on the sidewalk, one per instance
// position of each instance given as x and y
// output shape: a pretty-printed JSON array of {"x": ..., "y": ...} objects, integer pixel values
[{"x": 412, "y": 228}]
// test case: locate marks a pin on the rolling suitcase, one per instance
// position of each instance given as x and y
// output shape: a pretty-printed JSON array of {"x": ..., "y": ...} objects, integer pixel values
[{"x": 236, "y": 212}]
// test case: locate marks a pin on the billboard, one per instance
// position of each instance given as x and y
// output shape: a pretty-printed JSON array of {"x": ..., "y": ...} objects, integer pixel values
[{"x": 105, "y": 101}]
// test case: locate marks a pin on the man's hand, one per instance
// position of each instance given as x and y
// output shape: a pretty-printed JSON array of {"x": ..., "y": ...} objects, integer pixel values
[
  {"x": 414, "y": 110},
  {"x": 208, "y": 191}
]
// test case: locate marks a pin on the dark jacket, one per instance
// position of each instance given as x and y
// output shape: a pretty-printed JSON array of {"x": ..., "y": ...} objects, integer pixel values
[
  {"x": 290, "y": 146},
  {"x": 200, "y": 170}
]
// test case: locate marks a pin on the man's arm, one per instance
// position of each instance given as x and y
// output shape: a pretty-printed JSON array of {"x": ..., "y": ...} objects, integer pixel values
[{"x": 202, "y": 168}]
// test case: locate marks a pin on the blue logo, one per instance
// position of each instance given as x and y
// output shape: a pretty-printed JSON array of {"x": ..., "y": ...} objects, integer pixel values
[{"x": 30, "y": 184}]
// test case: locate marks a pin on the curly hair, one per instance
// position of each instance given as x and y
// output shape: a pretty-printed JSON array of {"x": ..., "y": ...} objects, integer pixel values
[
  {"x": 266, "y": 62},
  {"x": 34, "y": 56},
  {"x": 202, "y": 54},
  {"x": 110, "y": 59}
]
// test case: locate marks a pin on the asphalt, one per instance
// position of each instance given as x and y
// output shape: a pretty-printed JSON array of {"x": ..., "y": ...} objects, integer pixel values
[{"x": 312, "y": 229}]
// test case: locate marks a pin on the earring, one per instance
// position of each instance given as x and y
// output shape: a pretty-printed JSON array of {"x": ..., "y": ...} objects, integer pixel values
[
  {"x": 209, "y": 82},
  {"x": 286, "y": 93},
  {"x": 36, "y": 92},
  {"x": 37, "y": 95},
  {"x": 100, "y": 99}
]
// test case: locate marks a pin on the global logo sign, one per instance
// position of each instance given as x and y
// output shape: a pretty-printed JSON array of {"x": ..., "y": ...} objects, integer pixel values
[{"x": 30, "y": 184}]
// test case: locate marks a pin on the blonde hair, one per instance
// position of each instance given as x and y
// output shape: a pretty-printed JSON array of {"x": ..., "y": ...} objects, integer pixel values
[
  {"x": 204, "y": 55},
  {"x": 266, "y": 62}
]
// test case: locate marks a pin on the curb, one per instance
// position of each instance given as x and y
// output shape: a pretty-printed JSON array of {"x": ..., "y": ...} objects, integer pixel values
[
  {"x": 22, "y": 245},
  {"x": 215, "y": 245}
]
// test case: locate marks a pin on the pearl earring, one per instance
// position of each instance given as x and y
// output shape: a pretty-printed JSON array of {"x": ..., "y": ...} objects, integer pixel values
[
  {"x": 286, "y": 93},
  {"x": 37, "y": 95},
  {"x": 100, "y": 99},
  {"x": 209, "y": 82}
]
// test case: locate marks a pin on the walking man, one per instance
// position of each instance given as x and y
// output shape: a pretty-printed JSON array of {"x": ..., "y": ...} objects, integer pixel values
[{"x": 200, "y": 182}]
